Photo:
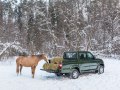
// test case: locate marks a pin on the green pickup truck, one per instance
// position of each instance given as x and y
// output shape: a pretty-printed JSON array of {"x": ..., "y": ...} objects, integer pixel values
[{"x": 78, "y": 62}]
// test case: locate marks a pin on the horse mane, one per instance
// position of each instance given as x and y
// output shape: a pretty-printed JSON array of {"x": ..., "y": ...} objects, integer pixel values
[{"x": 39, "y": 56}]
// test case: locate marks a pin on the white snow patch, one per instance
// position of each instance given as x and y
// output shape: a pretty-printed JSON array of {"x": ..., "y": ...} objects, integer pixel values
[{"x": 47, "y": 81}]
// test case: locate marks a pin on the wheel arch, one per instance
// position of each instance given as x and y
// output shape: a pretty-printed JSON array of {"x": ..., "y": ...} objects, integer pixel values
[
  {"x": 77, "y": 68},
  {"x": 102, "y": 64}
]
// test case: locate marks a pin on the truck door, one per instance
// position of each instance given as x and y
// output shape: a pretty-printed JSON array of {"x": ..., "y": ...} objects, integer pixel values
[
  {"x": 92, "y": 61},
  {"x": 83, "y": 61}
]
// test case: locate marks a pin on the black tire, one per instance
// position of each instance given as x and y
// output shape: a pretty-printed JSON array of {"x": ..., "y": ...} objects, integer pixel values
[
  {"x": 67, "y": 74},
  {"x": 100, "y": 69},
  {"x": 75, "y": 74},
  {"x": 58, "y": 74}
]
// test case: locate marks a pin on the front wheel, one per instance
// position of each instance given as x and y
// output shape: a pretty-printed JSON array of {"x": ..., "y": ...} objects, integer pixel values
[
  {"x": 100, "y": 69},
  {"x": 75, "y": 74}
]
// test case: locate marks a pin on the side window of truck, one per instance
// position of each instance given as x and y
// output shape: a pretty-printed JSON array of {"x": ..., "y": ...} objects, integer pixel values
[
  {"x": 82, "y": 55},
  {"x": 70, "y": 55},
  {"x": 90, "y": 56}
]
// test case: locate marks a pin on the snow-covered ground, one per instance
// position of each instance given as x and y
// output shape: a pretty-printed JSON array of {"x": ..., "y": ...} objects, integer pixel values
[{"x": 110, "y": 80}]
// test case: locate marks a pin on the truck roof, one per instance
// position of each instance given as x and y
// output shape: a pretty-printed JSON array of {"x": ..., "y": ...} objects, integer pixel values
[{"x": 78, "y": 51}]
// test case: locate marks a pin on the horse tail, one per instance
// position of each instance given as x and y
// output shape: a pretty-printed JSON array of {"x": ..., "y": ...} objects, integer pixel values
[{"x": 17, "y": 66}]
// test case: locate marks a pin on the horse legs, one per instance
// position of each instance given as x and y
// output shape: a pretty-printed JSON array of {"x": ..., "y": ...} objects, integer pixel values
[
  {"x": 20, "y": 69},
  {"x": 17, "y": 69},
  {"x": 33, "y": 71}
]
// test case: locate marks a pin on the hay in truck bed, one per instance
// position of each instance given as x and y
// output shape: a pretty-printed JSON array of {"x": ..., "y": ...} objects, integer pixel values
[{"x": 54, "y": 66}]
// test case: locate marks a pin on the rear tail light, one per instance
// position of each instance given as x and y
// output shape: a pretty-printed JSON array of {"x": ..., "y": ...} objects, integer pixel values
[{"x": 60, "y": 66}]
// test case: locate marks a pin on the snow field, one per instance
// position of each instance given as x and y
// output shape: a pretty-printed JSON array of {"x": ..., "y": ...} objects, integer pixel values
[{"x": 47, "y": 81}]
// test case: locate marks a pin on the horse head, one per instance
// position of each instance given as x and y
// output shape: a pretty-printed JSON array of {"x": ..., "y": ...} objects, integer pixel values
[{"x": 44, "y": 56}]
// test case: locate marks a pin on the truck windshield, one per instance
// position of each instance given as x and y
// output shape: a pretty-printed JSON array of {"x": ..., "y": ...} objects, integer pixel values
[{"x": 70, "y": 55}]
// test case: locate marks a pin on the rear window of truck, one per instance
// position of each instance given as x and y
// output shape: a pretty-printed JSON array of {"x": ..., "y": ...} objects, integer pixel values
[{"x": 70, "y": 55}]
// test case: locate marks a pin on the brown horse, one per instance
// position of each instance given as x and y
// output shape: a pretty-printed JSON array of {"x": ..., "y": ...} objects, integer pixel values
[{"x": 29, "y": 61}]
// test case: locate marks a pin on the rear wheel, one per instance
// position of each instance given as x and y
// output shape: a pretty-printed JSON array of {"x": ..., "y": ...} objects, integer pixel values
[
  {"x": 100, "y": 69},
  {"x": 75, "y": 74}
]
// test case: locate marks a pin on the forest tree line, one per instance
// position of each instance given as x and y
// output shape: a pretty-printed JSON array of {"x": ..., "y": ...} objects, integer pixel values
[{"x": 55, "y": 26}]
